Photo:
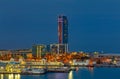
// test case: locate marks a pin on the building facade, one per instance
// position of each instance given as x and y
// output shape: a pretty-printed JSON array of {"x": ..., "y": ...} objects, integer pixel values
[
  {"x": 38, "y": 50},
  {"x": 63, "y": 31},
  {"x": 57, "y": 48}
]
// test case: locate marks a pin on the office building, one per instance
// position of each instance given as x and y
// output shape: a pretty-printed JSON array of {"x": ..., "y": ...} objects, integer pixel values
[
  {"x": 57, "y": 48},
  {"x": 63, "y": 31},
  {"x": 38, "y": 50}
]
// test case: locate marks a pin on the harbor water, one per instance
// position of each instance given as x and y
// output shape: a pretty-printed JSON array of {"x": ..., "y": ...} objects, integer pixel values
[{"x": 81, "y": 73}]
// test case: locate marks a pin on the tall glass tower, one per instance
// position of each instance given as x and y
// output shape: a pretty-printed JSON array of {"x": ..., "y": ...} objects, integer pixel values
[{"x": 63, "y": 31}]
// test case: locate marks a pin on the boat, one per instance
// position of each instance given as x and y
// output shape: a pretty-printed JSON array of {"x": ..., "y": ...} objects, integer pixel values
[
  {"x": 59, "y": 70},
  {"x": 33, "y": 71}
]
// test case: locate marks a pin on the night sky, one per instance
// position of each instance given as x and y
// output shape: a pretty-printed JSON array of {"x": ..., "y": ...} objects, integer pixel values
[{"x": 94, "y": 25}]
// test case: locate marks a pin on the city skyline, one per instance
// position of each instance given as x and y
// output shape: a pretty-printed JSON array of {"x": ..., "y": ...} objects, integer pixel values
[{"x": 93, "y": 25}]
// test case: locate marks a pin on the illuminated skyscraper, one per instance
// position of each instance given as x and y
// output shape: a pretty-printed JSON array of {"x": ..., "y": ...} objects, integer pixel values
[{"x": 63, "y": 31}]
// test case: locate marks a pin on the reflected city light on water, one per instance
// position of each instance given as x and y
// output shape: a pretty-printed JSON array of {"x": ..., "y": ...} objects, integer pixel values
[
  {"x": 90, "y": 69},
  {"x": 9, "y": 76},
  {"x": 70, "y": 76},
  {"x": 17, "y": 76},
  {"x": 1, "y": 76}
]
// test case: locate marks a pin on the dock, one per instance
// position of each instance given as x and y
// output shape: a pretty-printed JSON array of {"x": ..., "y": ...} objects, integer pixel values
[
  {"x": 6, "y": 72},
  {"x": 32, "y": 73},
  {"x": 110, "y": 66}
]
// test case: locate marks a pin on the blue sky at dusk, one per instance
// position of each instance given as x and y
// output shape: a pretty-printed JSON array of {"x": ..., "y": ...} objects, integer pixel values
[{"x": 94, "y": 25}]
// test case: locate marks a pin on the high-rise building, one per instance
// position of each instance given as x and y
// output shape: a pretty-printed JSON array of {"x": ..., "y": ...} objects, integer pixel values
[
  {"x": 57, "y": 48},
  {"x": 63, "y": 31},
  {"x": 38, "y": 50}
]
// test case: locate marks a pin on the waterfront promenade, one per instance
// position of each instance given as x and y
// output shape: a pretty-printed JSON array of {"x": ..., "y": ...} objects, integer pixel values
[
  {"x": 63, "y": 69},
  {"x": 81, "y": 73}
]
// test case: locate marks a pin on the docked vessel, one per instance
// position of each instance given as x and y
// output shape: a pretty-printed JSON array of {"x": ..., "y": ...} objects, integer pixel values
[
  {"x": 60, "y": 70},
  {"x": 33, "y": 71}
]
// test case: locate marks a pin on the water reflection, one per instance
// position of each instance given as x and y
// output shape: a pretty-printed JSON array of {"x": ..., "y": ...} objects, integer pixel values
[
  {"x": 9, "y": 76},
  {"x": 90, "y": 69},
  {"x": 1, "y": 76},
  {"x": 70, "y": 75},
  {"x": 17, "y": 76}
]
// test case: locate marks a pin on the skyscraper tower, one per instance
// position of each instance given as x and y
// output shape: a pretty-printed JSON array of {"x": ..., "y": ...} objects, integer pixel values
[
  {"x": 60, "y": 26},
  {"x": 63, "y": 31}
]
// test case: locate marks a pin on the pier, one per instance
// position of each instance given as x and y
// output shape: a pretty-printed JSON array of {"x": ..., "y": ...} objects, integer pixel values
[{"x": 110, "y": 66}]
